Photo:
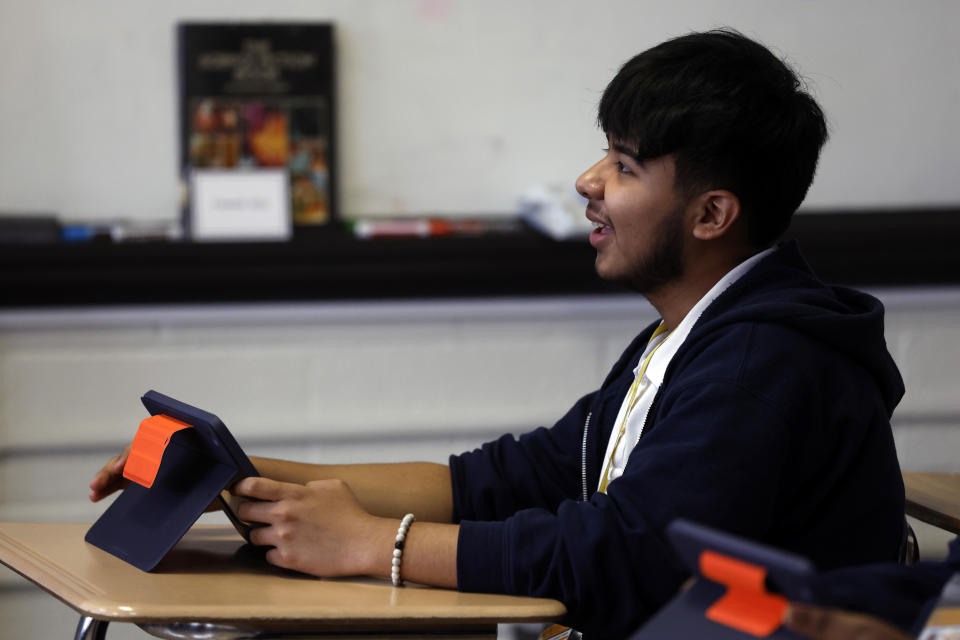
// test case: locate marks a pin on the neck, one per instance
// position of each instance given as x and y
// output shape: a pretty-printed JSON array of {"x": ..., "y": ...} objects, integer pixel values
[{"x": 673, "y": 300}]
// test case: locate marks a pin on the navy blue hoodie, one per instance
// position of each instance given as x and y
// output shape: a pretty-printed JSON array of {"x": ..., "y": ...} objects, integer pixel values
[{"x": 772, "y": 422}]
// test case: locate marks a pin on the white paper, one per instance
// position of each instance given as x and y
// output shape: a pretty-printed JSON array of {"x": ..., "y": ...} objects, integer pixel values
[{"x": 240, "y": 205}]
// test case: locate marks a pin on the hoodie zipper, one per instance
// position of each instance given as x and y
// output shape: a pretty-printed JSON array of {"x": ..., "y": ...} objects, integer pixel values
[
  {"x": 583, "y": 456},
  {"x": 643, "y": 425}
]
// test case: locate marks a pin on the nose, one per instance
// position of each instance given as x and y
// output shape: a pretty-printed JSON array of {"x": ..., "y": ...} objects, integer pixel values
[{"x": 590, "y": 183}]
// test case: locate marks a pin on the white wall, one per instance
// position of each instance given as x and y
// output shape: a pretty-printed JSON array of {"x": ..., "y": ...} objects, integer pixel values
[{"x": 455, "y": 107}]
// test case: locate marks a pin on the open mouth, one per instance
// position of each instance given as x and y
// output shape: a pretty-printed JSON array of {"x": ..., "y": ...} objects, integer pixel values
[{"x": 601, "y": 231}]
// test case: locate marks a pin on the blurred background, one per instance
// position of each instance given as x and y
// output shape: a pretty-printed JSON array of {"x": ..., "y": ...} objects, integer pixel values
[{"x": 444, "y": 109}]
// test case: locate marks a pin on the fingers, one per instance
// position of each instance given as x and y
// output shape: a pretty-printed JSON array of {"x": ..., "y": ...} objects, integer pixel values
[
  {"x": 811, "y": 621},
  {"x": 262, "y": 488},
  {"x": 257, "y": 511},
  {"x": 830, "y": 624},
  {"x": 318, "y": 528},
  {"x": 110, "y": 477},
  {"x": 259, "y": 499},
  {"x": 283, "y": 558},
  {"x": 264, "y": 537},
  {"x": 121, "y": 460}
]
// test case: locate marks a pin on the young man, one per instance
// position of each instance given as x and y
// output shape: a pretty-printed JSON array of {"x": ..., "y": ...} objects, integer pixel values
[{"x": 760, "y": 404}]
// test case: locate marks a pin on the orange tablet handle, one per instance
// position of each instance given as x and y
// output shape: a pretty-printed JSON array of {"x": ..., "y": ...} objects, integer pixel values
[
  {"x": 151, "y": 441},
  {"x": 747, "y": 605}
]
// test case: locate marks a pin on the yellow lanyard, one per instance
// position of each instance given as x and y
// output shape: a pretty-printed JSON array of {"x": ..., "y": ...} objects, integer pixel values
[{"x": 632, "y": 400}]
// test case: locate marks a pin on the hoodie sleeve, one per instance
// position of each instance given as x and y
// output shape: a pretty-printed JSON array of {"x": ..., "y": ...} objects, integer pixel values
[
  {"x": 606, "y": 559},
  {"x": 538, "y": 469},
  {"x": 544, "y": 467}
]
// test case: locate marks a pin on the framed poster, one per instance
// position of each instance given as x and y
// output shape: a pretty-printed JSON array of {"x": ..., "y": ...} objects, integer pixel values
[{"x": 257, "y": 97}]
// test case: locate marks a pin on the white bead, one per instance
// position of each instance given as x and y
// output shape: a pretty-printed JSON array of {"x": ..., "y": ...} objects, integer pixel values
[{"x": 405, "y": 523}]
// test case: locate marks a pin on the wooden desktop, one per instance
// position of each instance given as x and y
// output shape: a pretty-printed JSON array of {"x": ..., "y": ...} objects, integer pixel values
[
  {"x": 934, "y": 498},
  {"x": 212, "y": 585}
]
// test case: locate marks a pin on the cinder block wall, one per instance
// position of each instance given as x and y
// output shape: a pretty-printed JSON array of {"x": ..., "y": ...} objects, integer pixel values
[{"x": 355, "y": 382}]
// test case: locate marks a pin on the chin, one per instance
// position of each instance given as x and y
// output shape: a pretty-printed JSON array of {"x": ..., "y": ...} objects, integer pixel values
[
  {"x": 602, "y": 270},
  {"x": 612, "y": 275},
  {"x": 642, "y": 282}
]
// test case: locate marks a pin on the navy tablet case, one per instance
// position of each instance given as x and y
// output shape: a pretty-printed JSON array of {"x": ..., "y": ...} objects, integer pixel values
[
  {"x": 728, "y": 568},
  {"x": 143, "y": 524}
]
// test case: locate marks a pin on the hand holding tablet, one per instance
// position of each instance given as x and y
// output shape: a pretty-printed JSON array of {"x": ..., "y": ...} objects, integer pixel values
[{"x": 182, "y": 459}]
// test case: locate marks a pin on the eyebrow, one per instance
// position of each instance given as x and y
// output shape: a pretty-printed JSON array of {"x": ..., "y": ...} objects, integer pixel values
[{"x": 624, "y": 149}]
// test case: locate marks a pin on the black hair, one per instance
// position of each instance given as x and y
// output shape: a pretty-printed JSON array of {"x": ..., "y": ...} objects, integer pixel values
[{"x": 732, "y": 113}]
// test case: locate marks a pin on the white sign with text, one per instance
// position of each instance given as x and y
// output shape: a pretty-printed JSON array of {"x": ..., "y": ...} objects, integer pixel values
[{"x": 250, "y": 205}]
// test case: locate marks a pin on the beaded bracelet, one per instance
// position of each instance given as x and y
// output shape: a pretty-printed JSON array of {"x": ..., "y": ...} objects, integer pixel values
[{"x": 398, "y": 549}]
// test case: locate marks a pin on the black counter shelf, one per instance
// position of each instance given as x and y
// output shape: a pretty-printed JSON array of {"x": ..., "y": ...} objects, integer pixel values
[{"x": 914, "y": 247}]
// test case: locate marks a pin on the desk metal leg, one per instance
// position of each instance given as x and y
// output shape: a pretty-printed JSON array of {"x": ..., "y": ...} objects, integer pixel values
[
  {"x": 204, "y": 630},
  {"x": 91, "y": 629},
  {"x": 210, "y": 631}
]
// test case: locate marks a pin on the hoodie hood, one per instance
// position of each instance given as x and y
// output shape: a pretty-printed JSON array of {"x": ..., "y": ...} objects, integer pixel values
[{"x": 786, "y": 292}]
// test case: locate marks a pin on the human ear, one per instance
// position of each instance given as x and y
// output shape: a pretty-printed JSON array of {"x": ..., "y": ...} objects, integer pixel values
[{"x": 716, "y": 211}]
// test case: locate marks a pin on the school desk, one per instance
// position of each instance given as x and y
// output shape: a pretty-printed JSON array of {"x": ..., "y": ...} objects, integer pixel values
[
  {"x": 211, "y": 585},
  {"x": 934, "y": 498}
]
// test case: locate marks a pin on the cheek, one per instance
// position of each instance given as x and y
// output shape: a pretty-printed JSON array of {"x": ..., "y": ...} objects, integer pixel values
[
  {"x": 626, "y": 212},
  {"x": 621, "y": 205}
]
